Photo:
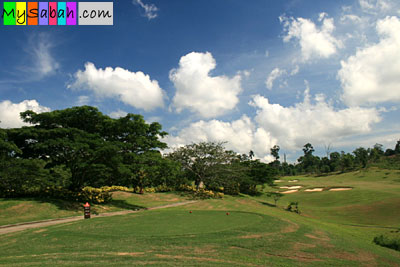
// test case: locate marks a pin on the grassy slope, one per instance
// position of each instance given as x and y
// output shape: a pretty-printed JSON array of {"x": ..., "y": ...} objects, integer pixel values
[
  {"x": 25, "y": 210},
  {"x": 254, "y": 234},
  {"x": 374, "y": 200}
]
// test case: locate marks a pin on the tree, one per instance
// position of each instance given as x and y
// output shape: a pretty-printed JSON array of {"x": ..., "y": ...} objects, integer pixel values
[
  {"x": 251, "y": 154},
  {"x": 346, "y": 161},
  {"x": 275, "y": 196},
  {"x": 202, "y": 161},
  {"x": 397, "y": 147},
  {"x": 334, "y": 161},
  {"x": 308, "y": 149},
  {"x": 97, "y": 149},
  {"x": 376, "y": 152},
  {"x": 275, "y": 151},
  {"x": 308, "y": 162},
  {"x": 361, "y": 156}
]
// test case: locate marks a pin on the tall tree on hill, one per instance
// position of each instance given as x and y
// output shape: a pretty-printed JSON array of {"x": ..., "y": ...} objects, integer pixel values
[{"x": 96, "y": 149}]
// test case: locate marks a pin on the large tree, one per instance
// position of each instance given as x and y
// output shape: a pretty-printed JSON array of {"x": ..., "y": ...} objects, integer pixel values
[
  {"x": 95, "y": 148},
  {"x": 203, "y": 161}
]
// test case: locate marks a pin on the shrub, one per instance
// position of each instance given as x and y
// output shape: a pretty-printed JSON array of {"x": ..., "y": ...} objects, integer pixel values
[{"x": 389, "y": 240}]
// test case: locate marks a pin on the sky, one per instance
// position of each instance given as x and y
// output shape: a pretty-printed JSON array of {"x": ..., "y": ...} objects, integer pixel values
[{"x": 252, "y": 73}]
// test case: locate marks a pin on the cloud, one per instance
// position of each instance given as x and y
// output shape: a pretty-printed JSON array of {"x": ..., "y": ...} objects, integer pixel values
[
  {"x": 372, "y": 75},
  {"x": 201, "y": 93},
  {"x": 372, "y": 6},
  {"x": 275, "y": 73},
  {"x": 9, "y": 112},
  {"x": 316, "y": 122},
  {"x": 150, "y": 10},
  {"x": 295, "y": 70},
  {"x": 241, "y": 135},
  {"x": 118, "y": 114},
  {"x": 43, "y": 63},
  {"x": 133, "y": 88},
  {"x": 83, "y": 100},
  {"x": 315, "y": 42}
]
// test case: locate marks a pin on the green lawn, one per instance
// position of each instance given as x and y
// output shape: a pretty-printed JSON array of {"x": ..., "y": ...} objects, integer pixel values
[
  {"x": 334, "y": 229},
  {"x": 25, "y": 210}
]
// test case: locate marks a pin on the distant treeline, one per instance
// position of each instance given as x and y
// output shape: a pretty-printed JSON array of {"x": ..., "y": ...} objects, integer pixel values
[
  {"x": 68, "y": 150},
  {"x": 339, "y": 162}
]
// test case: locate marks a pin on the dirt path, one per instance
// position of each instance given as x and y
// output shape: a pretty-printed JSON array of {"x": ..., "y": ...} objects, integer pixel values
[{"x": 6, "y": 229}]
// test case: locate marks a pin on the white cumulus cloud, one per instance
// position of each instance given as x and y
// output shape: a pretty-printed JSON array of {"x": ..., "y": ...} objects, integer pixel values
[
  {"x": 372, "y": 75},
  {"x": 317, "y": 122},
  {"x": 241, "y": 136},
  {"x": 315, "y": 42},
  {"x": 9, "y": 112},
  {"x": 133, "y": 88},
  {"x": 197, "y": 91}
]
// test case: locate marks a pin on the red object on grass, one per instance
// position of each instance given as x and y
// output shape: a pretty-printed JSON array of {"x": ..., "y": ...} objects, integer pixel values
[
  {"x": 227, "y": 213},
  {"x": 190, "y": 211},
  {"x": 87, "y": 205}
]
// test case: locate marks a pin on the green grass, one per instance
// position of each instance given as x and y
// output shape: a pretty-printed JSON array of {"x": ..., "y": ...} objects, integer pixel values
[
  {"x": 25, "y": 210},
  {"x": 334, "y": 229},
  {"x": 374, "y": 199}
]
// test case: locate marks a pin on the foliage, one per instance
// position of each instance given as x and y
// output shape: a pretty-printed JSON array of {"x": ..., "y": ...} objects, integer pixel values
[
  {"x": 210, "y": 164},
  {"x": 389, "y": 240},
  {"x": 293, "y": 207},
  {"x": 275, "y": 196},
  {"x": 96, "y": 149}
]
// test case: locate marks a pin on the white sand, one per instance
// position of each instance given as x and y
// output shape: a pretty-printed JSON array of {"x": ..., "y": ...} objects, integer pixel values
[
  {"x": 278, "y": 181},
  {"x": 290, "y": 191},
  {"x": 340, "y": 189},
  {"x": 314, "y": 190},
  {"x": 291, "y": 187},
  {"x": 293, "y": 181}
]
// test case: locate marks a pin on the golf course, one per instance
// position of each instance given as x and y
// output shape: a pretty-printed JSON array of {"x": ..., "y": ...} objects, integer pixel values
[{"x": 332, "y": 227}]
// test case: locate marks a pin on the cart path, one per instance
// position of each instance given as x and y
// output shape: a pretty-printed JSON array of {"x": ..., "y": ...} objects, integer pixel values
[{"x": 6, "y": 229}]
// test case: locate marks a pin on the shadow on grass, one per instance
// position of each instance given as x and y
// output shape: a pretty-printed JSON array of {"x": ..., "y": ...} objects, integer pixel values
[
  {"x": 267, "y": 204},
  {"x": 122, "y": 204}
]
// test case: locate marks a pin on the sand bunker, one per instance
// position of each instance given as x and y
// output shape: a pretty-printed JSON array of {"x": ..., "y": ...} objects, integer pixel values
[
  {"x": 278, "y": 181},
  {"x": 291, "y": 187},
  {"x": 293, "y": 181},
  {"x": 341, "y": 189},
  {"x": 290, "y": 191},
  {"x": 314, "y": 190}
]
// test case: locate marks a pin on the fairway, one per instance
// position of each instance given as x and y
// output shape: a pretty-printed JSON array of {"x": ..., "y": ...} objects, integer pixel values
[
  {"x": 165, "y": 223},
  {"x": 333, "y": 229}
]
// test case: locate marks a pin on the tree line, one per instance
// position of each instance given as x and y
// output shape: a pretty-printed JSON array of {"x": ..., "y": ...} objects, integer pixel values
[
  {"x": 79, "y": 147},
  {"x": 360, "y": 158}
]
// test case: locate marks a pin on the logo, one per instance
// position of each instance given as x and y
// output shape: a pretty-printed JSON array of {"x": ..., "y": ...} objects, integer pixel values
[{"x": 57, "y": 13}]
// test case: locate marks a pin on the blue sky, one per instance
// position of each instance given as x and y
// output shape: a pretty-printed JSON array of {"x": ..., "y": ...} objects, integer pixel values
[{"x": 252, "y": 73}]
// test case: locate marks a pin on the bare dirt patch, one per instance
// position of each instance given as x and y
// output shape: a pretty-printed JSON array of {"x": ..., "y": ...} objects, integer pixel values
[
  {"x": 292, "y": 227},
  {"x": 366, "y": 258},
  {"x": 200, "y": 259},
  {"x": 133, "y": 254},
  {"x": 293, "y": 181}
]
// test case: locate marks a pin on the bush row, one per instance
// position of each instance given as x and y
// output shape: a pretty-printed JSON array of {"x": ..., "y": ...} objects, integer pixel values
[{"x": 390, "y": 240}]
